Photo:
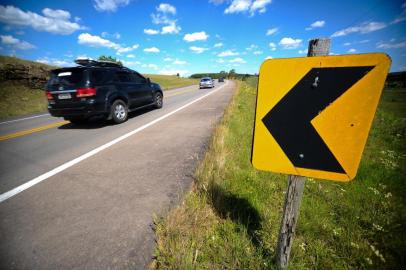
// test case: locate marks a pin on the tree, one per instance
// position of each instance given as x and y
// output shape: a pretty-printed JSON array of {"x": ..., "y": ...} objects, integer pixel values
[
  {"x": 231, "y": 74},
  {"x": 177, "y": 74},
  {"x": 109, "y": 58}
]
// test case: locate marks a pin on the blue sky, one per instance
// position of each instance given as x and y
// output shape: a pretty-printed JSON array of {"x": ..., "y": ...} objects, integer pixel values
[{"x": 192, "y": 36}]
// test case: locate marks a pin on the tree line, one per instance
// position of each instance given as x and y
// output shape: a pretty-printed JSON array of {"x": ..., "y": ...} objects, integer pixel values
[{"x": 232, "y": 74}]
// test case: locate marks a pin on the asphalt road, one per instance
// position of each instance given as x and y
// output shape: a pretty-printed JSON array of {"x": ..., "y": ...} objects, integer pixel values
[{"x": 96, "y": 211}]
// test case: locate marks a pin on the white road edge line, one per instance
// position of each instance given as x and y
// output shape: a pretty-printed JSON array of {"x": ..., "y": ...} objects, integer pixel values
[
  {"x": 93, "y": 152},
  {"x": 22, "y": 119}
]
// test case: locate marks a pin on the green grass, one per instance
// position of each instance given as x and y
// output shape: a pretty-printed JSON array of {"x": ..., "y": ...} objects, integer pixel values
[
  {"x": 231, "y": 218},
  {"x": 16, "y": 100},
  {"x": 170, "y": 82}
]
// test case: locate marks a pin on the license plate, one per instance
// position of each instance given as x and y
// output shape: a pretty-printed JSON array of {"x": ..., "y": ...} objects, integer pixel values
[{"x": 64, "y": 96}]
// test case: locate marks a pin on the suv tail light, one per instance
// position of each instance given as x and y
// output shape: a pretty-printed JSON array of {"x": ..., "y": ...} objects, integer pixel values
[
  {"x": 85, "y": 92},
  {"x": 48, "y": 95}
]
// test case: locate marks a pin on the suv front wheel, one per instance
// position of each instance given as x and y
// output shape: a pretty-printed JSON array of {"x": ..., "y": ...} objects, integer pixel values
[
  {"x": 119, "y": 111},
  {"x": 158, "y": 100}
]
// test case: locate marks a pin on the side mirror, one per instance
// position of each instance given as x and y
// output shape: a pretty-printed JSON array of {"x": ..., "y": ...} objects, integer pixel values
[{"x": 148, "y": 80}]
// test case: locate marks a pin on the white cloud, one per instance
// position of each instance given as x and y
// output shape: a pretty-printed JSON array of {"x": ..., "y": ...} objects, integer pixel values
[
  {"x": 240, "y": 6},
  {"x": 179, "y": 62},
  {"x": 130, "y": 55},
  {"x": 15, "y": 43},
  {"x": 166, "y": 8},
  {"x": 195, "y": 36},
  {"x": 272, "y": 31},
  {"x": 227, "y": 53},
  {"x": 268, "y": 57},
  {"x": 402, "y": 16},
  {"x": 290, "y": 43},
  {"x": 54, "y": 62},
  {"x": 356, "y": 42},
  {"x": 54, "y": 21},
  {"x": 168, "y": 59},
  {"x": 259, "y": 5},
  {"x": 218, "y": 45},
  {"x": 238, "y": 60},
  {"x": 107, "y": 35},
  {"x": 130, "y": 63},
  {"x": 272, "y": 46},
  {"x": 151, "y": 31},
  {"x": 392, "y": 45},
  {"x": 316, "y": 24},
  {"x": 182, "y": 72},
  {"x": 56, "y": 14},
  {"x": 163, "y": 16},
  {"x": 220, "y": 61},
  {"x": 109, "y": 5},
  {"x": 152, "y": 50},
  {"x": 257, "y": 52},
  {"x": 302, "y": 51},
  {"x": 363, "y": 29},
  {"x": 252, "y": 47},
  {"x": 96, "y": 41},
  {"x": 171, "y": 29},
  {"x": 160, "y": 18},
  {"x": 127, "y": 49},
  {"x": 352, "y": 51},
  {"x": 197, "y": 49},
  {"x": 151, "y": 66}
]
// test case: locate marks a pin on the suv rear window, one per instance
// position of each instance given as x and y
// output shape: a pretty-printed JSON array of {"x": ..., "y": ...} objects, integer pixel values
[{"x": 69, "y": 77}]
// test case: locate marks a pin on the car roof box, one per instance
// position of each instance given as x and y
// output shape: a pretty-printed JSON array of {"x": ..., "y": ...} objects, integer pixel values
[{"x": 94, "y": 63}]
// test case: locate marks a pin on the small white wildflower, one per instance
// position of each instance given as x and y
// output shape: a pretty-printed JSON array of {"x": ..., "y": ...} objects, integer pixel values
[
  {"x": 369, "y": 261},
  {"x": 377, "y": 253},
  {"x": 374, "y": 190},
  {"x": 355, "y": 245},
  {"x": 303, "y": 246},
  {"x": 377, "y": 227},
  {"x": 336, "y": 232},
  {"x": 388, "y": 195}
]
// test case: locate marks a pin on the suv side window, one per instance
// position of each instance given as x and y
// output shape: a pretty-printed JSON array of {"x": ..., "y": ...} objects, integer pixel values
[
  {"x": 99, "y": 77},
  {"x": 136, "y": 78},
  {"x": 123, "y": 76}
]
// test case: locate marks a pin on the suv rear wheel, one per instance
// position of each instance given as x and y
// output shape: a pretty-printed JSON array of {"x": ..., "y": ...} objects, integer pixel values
[
  {"x": 158, "y": 100},
  {"x": 119, "y": 111}
]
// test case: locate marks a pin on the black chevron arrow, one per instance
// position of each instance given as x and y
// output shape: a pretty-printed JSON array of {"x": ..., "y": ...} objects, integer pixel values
[{"x": 289, "y": 121}]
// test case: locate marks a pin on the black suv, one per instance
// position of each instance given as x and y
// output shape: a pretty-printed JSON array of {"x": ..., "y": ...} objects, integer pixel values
[{"x": 99, "y": 88}]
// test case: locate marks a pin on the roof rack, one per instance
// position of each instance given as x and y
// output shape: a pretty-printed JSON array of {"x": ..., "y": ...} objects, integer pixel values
[{"x": 93, "y": 63}]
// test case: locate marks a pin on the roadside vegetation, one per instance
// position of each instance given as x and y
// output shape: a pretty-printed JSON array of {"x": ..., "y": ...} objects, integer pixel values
[
  {"x": 231, "y": 218},
  {"x": 22, "y": 86},
  {"x": 168, "y": 82},
  {"x": 17, "y": 99}
]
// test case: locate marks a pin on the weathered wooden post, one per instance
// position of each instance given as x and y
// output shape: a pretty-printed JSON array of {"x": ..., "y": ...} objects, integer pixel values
[{"x": 294, "y": 193}]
